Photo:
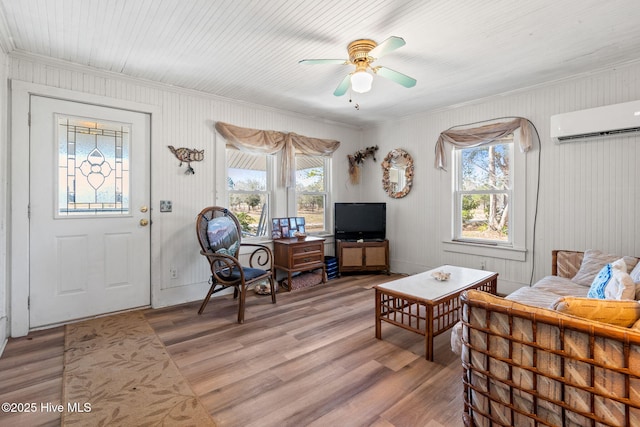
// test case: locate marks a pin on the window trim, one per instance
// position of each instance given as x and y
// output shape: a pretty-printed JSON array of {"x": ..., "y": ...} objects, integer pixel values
[
  {"x": 293, "y": 208},
  {"x": 458, "y": 193},
  {"x": 282, "y": 200},
  {"x": 516, "y": 250},
  {"x": 269, "y": 193}
]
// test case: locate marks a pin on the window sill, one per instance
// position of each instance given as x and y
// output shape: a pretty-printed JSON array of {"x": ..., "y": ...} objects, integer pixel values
[
  {"x": 260, "y": 240},
  {"x": 502, "y": 252},
  {"x": 322, "y": 234}
]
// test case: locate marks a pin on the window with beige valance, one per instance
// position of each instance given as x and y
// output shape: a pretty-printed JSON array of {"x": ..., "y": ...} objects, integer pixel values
[
  {"x": 271, "y": 142},
  {"x": 466, "y": 138},
  {"x": 488, "y": 190}
]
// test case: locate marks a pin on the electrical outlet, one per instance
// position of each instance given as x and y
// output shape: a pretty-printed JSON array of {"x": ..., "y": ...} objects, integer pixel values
[
  {"x": 173, "y": 272},
  {"x": 483, "y": 265},
  {"x": 165, "y": 206}
]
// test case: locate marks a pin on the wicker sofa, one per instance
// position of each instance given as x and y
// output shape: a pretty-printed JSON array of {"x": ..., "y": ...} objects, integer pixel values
[{"x": 529, "y": 365}]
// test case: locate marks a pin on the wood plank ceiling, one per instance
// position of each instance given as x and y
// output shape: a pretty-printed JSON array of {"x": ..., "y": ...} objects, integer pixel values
[{"x": 249, "y": 50}]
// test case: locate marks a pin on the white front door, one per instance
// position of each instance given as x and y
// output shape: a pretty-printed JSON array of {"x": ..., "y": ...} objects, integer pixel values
[{"x": 89, "y": 229}]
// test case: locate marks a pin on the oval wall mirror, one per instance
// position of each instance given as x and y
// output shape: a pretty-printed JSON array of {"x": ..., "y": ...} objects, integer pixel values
[{"x": 397, "y": 173}]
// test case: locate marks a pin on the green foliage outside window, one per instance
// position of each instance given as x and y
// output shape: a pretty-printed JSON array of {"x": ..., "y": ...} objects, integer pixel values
[{"x": 245, "y": 221}]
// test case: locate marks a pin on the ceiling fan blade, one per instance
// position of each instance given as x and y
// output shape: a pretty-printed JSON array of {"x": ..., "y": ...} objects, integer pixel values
[
  {"x": 323, "y": 61},
  {"x": 397, "y": 77},
  {"x": 343, "y": 86},
  {"x": 389, "y": 45}
]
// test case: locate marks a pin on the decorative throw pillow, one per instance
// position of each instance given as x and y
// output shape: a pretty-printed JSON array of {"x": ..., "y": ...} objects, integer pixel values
[
  {"x": 593, "y": 261},
  {"x": 613, "y": 282},
  {"x": 622, "y": 286},
  {"x": 600, "y": 282},
  {"x": 635, "y": 276},
  {"x": 222, "y": 234},
  {"x": 620, "y": 313}
]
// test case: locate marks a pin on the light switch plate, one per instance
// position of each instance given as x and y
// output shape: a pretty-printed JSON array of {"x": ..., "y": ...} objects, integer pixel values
[{"x": 165, "y": 206}]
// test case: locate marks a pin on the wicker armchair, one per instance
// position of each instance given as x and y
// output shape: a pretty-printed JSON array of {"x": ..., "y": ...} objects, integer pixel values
[{"x": 219, "y": 235}]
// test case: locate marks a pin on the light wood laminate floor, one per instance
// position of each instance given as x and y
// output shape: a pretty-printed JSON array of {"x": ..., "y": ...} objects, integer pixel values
[{"x": 312, "y": 359}]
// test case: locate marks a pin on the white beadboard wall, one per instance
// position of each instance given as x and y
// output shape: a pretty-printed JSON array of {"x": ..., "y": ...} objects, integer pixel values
[
  {"x": 188, "y": 119},
  {"x": 4, "y": 176},
  {"x": 589, "y": 194}
]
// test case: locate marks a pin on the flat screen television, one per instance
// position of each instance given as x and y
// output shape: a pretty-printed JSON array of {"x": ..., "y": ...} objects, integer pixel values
[{"x": 367, "y": 221}]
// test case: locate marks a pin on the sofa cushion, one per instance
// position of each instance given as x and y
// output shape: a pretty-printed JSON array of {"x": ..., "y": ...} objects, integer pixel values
[
  {"x": 613, "y": 282},
  {"x": 615, "y": 312},
  {"x": 533, "y": 296},
  {"x": 593, "y": 262},
  {"x": 561, "y": 286}
]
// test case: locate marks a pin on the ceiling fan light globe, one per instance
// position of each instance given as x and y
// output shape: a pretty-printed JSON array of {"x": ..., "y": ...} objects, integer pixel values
[{"x": 361, "y": 81}]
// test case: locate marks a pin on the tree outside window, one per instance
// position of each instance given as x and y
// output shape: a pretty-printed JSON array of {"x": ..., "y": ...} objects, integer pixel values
[
  {"x": 483, "y": 192},
  {"x": 311, "y": 195},
  {"x": 248, "y": 190}
]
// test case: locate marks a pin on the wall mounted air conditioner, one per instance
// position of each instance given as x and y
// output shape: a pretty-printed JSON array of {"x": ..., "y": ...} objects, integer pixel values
[{"x": 610, "y": 120}]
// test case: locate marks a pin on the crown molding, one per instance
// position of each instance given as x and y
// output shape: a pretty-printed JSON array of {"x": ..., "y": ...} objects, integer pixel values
[{"x": 81, "y": 68}]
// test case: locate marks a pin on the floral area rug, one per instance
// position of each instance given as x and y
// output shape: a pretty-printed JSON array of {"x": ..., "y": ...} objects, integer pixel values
[{"x": 118, "y": 372}]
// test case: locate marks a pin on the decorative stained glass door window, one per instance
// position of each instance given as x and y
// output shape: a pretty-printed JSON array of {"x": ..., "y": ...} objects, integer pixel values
[{"x": 93, "y": 167}]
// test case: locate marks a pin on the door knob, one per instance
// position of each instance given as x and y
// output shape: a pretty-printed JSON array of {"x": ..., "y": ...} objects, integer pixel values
[
  {"x": 144, "y": 222},
  {"x": 144, "y": 209}
]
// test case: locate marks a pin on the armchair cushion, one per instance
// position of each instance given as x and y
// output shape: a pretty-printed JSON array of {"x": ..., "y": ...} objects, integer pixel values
[
  {"x": 249, "y": 273},
  {"x": 222, "y": 234}
]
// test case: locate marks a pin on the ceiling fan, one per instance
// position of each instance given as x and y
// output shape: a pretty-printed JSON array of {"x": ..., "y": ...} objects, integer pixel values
[{"x": 361, "y": 54}]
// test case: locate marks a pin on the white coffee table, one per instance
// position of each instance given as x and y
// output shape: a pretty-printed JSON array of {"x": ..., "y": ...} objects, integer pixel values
[{"x": 424, "y": 305}]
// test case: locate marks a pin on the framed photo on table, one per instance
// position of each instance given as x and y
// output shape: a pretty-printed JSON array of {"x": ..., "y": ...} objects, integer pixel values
[{"x": 283, "y": 228}]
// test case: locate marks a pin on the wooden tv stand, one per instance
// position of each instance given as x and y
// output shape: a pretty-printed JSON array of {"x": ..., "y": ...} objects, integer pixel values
[{"x": 363, "y": 256}]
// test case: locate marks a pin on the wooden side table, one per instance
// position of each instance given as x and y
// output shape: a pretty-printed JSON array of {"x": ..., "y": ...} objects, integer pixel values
[{"x": 293, "y": 255}]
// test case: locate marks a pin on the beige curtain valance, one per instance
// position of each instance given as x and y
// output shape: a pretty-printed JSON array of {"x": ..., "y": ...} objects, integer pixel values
[
  {"x": 465, "y": 138},
  {"x": 270, "y": 142}
]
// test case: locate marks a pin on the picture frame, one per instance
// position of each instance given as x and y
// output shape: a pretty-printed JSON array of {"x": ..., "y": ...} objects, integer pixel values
[{"x": 285, "y": 228}]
